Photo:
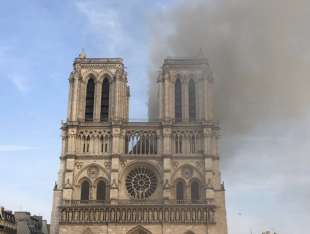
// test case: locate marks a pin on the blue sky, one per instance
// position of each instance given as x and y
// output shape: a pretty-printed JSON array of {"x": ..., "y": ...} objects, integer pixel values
[{"x": 39, "y": 40}]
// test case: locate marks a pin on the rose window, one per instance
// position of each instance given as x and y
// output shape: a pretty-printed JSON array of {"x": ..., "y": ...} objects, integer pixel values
[{"x": 141, "y": 183}]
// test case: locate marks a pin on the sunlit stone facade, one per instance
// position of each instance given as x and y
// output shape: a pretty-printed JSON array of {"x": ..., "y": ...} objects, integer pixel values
[{"x": 127, "y": 177}]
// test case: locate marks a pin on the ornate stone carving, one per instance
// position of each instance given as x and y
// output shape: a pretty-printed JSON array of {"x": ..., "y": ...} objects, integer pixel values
[
  {"x": 123, "y": 162},
  {"x": 175, "y": 164},
  {"x": 187, "y": 172},
  {"x": 92, "y": 172},
  {"x": 146, "y": 214},
  {"x": 78, "y": 165},
  {"x": 107, "y": 164}
]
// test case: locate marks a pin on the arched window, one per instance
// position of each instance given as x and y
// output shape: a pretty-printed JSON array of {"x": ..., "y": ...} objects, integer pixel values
[
  {"x": 180, "y": 191},
  {"x": 104, "y": 114},
  {"x": 178, "y": 144},
  {"x": 195, "y": 190},
  {"x": 178, "y": 100},
  {"x": 89, "y": 105},
  {"x": 101, "y": 191},
  {"x": 85, "y": 191},
  {"x": 191, "y": 100}
]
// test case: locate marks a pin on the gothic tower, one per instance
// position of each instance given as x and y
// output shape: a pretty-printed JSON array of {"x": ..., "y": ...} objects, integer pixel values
[{"x": 139, "y": 177}]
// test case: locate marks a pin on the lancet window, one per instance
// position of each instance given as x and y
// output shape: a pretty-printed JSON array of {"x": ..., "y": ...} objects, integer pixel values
[
  {"x": 89, "y": 102},
  {"x": 180, "y": 191},
  {"x": 191, "y": 100},
  {"x": 94, "y": 142},
  {"x": 105, "y": 92},
  {"x": 178, "y": 100},
  {"x": 195, "y": 191},
  {"x": 186, "y": 142},
  {"x": 85, "y": 190},
  {"x": 101, "y": 191}
]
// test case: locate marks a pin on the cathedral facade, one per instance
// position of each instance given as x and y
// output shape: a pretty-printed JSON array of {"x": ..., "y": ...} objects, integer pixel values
[{"x": 156, "y": 177}]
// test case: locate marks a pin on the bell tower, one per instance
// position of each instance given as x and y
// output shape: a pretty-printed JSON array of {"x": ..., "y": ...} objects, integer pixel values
[
  {"x": 186, "y": 90},
  {"x": 98, "y": 90}
]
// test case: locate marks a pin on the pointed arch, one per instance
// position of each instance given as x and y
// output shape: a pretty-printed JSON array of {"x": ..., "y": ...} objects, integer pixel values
[
  {"x": 105, "y": 94},
  {"x": 138, "y": 230},
  {"x": 189, "y": 232},
  {"x": 180, "y": 190},
  {"x": 89, "y": 102},
  {"x": 192, "y": 100},
  {"x": 85, "y": 190},
  {"x": 178, "y": 100},
  {"x": 195, "y": 191},
  {"x": 101, "y": 190}
]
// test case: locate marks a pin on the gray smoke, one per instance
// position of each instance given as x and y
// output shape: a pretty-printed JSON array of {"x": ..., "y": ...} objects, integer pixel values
[{"x": 259, "y": 52}]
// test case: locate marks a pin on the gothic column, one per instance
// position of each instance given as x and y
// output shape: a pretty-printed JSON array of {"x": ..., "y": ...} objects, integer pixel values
[
  {"x": 167, "y": 134},
  {"x": 161, "y": 97},
  {"x": 208, "y": 142},
  {"x": 166, "y": 106},
  {"x": 116, "y": 151},
  {"x": 69, "y": 108},
  {"x": 74, "y": 101},
  {"x": 210, "y": 97},
  {"x": 185, "y": 114},
  {"x": 97, "y": 100}
]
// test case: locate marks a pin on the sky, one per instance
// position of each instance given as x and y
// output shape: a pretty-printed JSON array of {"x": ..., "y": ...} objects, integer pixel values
[{"x": 264, "y": 148}]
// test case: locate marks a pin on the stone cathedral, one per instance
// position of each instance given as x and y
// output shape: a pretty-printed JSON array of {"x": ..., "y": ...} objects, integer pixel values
[{"x": 156, "y": 177}]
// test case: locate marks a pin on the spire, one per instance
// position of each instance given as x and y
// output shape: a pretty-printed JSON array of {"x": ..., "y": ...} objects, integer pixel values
[
  {"x": 82, "y": 54},
  {"x": 201, "y": 53}
]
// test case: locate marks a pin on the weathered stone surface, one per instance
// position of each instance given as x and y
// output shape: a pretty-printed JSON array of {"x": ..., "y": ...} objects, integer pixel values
[{"x": 143, "y": 166}]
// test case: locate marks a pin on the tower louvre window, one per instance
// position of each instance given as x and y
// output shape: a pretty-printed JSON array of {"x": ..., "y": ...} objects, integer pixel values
[
  {"x": 178, "y": 100},
  {"x": 89, "y": 105},
  {"x": 192, "y": 100},
  {"x": 85, "y": 191},
  {"x": 104, "y": 114}
]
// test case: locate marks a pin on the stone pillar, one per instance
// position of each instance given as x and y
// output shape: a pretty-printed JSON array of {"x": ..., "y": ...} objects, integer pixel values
[
  {"x": 70, "y": 106},
  {"x": 116, "y": 151},
  {"x": 166, "y": 146},
  {"x": 205, "y": 98},
  {"x": 82, "y": 100},
  {"x": 74, "y": 101},
  {"x": 209, "y": 189},
  {"x": 111, "y": 100},
  {"x": 97, "y": 101},
  {"x": 55, "y": 216},
  {"x": 210, "y": 97},
  {"x": 161, "y": 97},
  {"x": 166, "y": 108},
  {"x": 199, "y": 98},
  {"x": 185, "y": 110}
]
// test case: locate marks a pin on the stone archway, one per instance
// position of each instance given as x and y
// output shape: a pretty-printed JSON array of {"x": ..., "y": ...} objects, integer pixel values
[
  {"x": 189, "y": 232},
  {"x": 139, "y": 230}
]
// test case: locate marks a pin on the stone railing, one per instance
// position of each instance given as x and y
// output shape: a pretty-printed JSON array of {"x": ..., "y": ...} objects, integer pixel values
[
  {"x": 132, "y": 214},
  {"x": 101, "y": 203}
]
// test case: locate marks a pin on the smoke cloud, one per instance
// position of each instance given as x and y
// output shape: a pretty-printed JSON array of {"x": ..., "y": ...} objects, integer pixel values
[
  {"x": 260, "y": 55},
  {"x": 258, "y": 50}
]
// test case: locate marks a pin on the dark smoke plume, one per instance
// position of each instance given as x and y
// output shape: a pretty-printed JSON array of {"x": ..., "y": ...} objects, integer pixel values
[{"x": 258, "y": 50}]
